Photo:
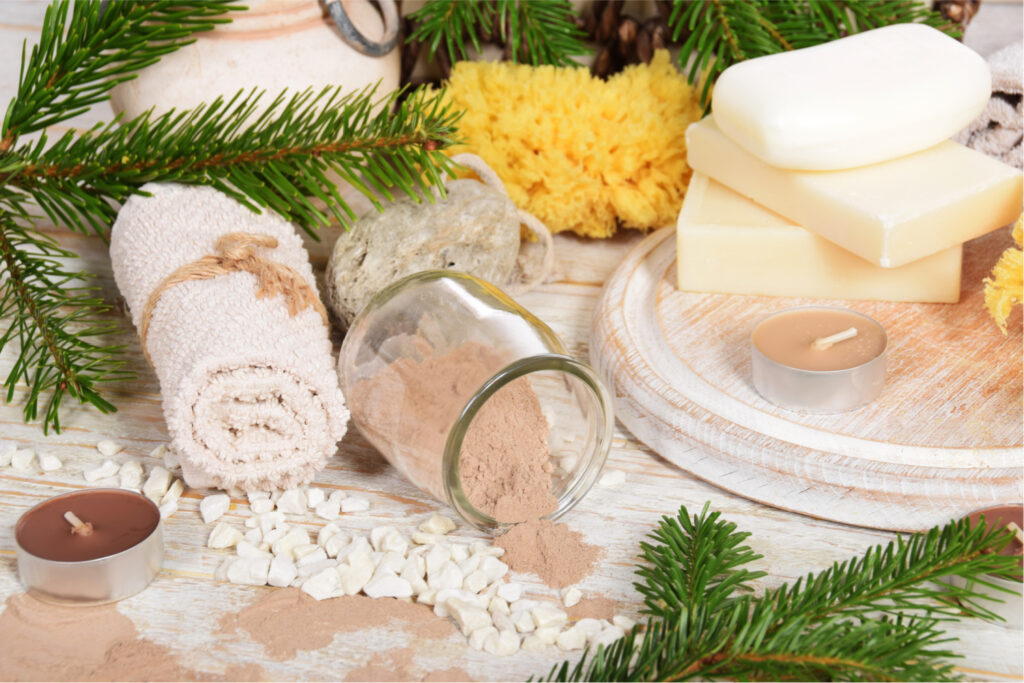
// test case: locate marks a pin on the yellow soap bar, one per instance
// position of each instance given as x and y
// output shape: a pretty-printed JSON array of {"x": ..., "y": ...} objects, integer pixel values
[
  {"x": 890, "y": 213},
  {"x": 728, "y": 244}
]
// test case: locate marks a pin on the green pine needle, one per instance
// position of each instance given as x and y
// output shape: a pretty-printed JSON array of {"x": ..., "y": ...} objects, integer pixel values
[
  {"x": 721, "y": 33},
  {"x": 875, "y": 617},
  {"x": 534, "y": 31},
  {"x": 286, "y": 156}
]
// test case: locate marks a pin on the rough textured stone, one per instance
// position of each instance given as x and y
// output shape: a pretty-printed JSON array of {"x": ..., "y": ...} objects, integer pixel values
[{"x": 473, "y": 230}]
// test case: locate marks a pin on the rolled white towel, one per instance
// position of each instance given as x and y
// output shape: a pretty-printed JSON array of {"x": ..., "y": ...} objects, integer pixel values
[
  {"x": 999, "y": 128},
  {"x": 249, "y": 390}
]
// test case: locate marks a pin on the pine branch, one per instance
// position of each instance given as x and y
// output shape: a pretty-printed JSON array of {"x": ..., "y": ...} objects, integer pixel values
[
  {"x": 724, "y": 32},
  {"x": 281, "y": 160},
  {"x": 55, "y": 318},
  {"x": 81, "y": 56},
  {"x": 534, "y": 31},
  {"x": 871, "y": 618}
]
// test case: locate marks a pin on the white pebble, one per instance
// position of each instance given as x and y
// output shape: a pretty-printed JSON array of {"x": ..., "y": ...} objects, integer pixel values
[
  {"x": 359, "y": 545},
  {"x": 169, "y": 508},
  {"x": 522, "y": 621},
  {"x": 415, "y": 580},
  {"x": 497, "y": 605},
  {"x": 548, "y": 634},
  {"x": 326, "y": 584},
  {"x": 502, "y": 621},
  {"x": 388, "y": 586},
  {"x": 314, "y": 497},
  {"x": 478, "y": 637},
  {"x": 282, "y": 572},
  {"x": 485, "y": 548},
  {"x": 427, "y": 597},
  {"x": 437, "y": 524},
  {"x": 389, "y": 561},
  {"x": 6, "y": 453},
  {"x": 571, "y": 596},
  {"x": 394, "y": 542},
  {"x": 270, "y": 520},
  {"x": 254, "y": 536},
  {"x": 171, "y": 460},
  {"x": 423, "y": 538},
  {"x": 306, "y": 555},
  {"x": 612, "y": 479},
  {"x": 334, "y": 544},
  {"x": 261, "y": 506},
  {"x": 468, "y": 615},
  {"x": 437, "y": 556},
  {"x": 356, "y": 573},
  {"x": 447, "y": 576},
  {"x": 510, "y": 592},
  {"x": 224, "y": 536},
  {"x": 532, "y": 643},
  {"x": 252, "y": 571},
  {"x": 328, "y": 510},
  {"x": 158, "y": 452},
  {"x": 546, "y": 615},
  {"x": 49, "y": 463},
  {"x": 377, "y": 535},
  {"x": 174, "y": 492},
  {"x": 568, "y": 463},
  {"x": 257, "y": 495},
  {"x": 589, "y": 627},
  {"x": 292, "y": 502},
  {"x": 108, "y": 468},
  {"x": 272, "y": 536},
  {"x": 213, "y": 507},
  {"x": 504, "y": 644},
  {"x": 221, "y": 572},
  {"x": 354, "y": 504},
  {"x": 314, "y": 568},
  {"x": 131, "y": 475},
  {"x": 460, "y": 553},
  {"x": 493, "y": 568},
  {"x": 108, "y": 448},
  {"x": 337, "y": 495},
  {"x": 249, "y": 551},
  {"x": 156, "y": 484},
  {"x": 470, "y": 564},
  {"x": 475, "y": 582},
  {"x": 235, "y": 493},
  {"x": 607, "y": 636},
  {"x": 21, "y": 460},
  {"x": 285, "y": 545},
  {"x": 625, "y": 623},
  {"x": 326, "y": 532},
  {"x": 572, "y": 639}
]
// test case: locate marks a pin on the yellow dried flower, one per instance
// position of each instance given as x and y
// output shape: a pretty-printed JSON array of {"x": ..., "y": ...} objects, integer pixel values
[
  {"x": 580, "y": 153},
  {"x": 1005, "y": 288}
]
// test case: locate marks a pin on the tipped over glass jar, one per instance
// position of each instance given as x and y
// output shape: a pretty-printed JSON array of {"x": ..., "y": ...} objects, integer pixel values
[{"x": 475, "y": 400}]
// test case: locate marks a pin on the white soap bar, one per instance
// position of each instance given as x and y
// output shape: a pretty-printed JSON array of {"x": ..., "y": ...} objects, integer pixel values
[
  {"x": 870, "y": 97},
  {"x": 889, "y": 213},
  {"x": 728, "y": 244}
]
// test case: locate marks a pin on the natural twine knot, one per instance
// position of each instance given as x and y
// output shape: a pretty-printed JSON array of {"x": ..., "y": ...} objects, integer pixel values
[{"x": 236, "y": 252}]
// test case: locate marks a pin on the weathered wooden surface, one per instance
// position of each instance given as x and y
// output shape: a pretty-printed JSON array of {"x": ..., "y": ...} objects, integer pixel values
[
  {"x": 943, "y": 439},
  {"x": 182, "y": 608}
]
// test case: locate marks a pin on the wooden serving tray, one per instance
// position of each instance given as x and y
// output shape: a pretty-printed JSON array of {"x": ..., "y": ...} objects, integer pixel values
[{"x": 943, "y": 439}]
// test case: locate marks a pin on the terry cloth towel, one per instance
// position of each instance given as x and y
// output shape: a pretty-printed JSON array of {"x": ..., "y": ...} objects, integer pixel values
[
  {"x": 998, "y": 130},
  {"x": 250, "y": 394}
]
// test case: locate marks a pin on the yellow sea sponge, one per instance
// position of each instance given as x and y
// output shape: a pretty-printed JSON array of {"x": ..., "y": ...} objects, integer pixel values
[
  {"x": 580, "y": 153},
  {"x": 1005, "y": 289}
]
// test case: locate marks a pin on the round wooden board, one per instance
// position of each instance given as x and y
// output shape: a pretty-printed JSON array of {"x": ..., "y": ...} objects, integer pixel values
[{"x": 944, "y": 438}]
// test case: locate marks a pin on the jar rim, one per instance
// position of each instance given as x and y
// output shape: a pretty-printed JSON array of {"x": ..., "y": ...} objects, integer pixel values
[{"x": 585, "y": 478}]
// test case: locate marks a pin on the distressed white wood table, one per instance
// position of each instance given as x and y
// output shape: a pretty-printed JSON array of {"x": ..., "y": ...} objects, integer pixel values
[{"x": 182, "y": 608}]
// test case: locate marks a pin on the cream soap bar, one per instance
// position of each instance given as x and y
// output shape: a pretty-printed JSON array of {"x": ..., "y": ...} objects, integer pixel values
[
  {"x": 871, "y": 97},
  {"x": 729, "y": 244},
  {"x": 890, "y": 213}
]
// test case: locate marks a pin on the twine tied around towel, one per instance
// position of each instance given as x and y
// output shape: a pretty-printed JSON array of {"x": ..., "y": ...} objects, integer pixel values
[{"x": 236, "y": 252}]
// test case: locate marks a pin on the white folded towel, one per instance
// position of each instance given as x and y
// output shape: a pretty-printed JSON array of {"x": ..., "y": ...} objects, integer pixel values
[
  {"x": 999, "y": 128},
  {"x": 250, "y": 394}
]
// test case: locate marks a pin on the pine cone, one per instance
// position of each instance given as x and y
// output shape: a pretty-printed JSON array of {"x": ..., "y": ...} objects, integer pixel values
[{"x": 957, "y": 11}]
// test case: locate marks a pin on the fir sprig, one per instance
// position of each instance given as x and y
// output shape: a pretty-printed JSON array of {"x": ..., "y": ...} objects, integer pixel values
[
  {"x": 534, "y": 31},
  {"x": 286, "y": 156},
  {"x": 721, "y": 33},
  {"x": 876, "y": 617}
]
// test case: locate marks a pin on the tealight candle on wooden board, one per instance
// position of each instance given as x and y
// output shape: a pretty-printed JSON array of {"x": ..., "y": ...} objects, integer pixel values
[
  {"x": 90, "y": 546},
  {"x": 1008, "y": 602},
  {"x": 818, "y": 359}
]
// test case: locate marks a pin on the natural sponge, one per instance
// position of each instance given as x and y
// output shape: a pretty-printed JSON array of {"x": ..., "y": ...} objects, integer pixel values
[{"x": 580, "y": 153}]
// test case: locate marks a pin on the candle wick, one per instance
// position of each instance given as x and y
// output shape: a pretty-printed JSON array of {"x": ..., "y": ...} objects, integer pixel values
[
  {"x": 77, "y": 525},
  {"x": 824, "y": 343}
]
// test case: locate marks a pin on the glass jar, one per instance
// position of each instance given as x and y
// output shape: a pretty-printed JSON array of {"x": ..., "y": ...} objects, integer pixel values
[{"x": 475, "y": 400}]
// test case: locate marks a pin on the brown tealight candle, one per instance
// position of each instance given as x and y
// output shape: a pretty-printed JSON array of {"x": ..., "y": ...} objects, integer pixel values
[
  {"x": 90, "y": 546},
  {"x": 818, "y": 359},
  {"x": 1008, "y": 602}
]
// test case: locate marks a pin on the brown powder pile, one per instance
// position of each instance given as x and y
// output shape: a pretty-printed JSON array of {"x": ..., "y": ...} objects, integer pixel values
[
  {"x": 594, "y": 608},
  {"x": 396, "y": 667},
  {"x": 44, "y": 642},
  {"x": 554, "y": 552},
  {"x": 409, "y": 407},
  {"x": 288, "y": 620}
]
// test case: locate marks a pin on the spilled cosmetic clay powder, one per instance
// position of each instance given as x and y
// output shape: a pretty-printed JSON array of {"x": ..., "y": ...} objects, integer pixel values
[
  {"x": 407, "y": 410},
  {"x": 44, "y": 642}
]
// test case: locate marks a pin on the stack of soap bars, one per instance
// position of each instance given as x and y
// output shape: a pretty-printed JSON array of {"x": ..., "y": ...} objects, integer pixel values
[{"x": 827, "y": 172}]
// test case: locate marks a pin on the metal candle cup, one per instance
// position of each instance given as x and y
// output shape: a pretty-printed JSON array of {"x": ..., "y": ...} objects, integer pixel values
[
  {"x": 120, "y": 556},
  {"x": 810, "y": 389}
]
